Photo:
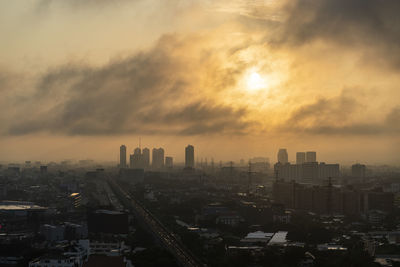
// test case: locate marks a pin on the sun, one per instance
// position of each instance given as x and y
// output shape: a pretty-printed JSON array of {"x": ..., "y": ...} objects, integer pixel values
[{"x": 255, "y": 82}]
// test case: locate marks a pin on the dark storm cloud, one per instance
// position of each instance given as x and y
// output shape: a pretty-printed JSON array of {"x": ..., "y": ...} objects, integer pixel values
[
  {"x": 336, "y": 116},
  {"x": 372, "y": 24},
  {"x": 151, "y": 92}
]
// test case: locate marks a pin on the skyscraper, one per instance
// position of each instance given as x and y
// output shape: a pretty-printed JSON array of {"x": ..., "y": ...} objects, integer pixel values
[
  {"x": 283, "y": 156},
  {"x": 137, "y": 159},
  {"x": 189, "y": 157},
  {"x": 122, "y": 156},
  {"x": 311, "y": 156},
  {"x": 158, "y": 158},
  {"x": 169, "y": 162},
  {"x": 300, "y": 157},
  {"x": 146, "y": 157},
  {"x": 358, "y": 170}
]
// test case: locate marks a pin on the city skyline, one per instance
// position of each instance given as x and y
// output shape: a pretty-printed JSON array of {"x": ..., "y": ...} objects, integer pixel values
[{"x": 200, "y": 133}]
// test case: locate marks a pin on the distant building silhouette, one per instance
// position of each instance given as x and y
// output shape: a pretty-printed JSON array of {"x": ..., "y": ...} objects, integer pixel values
[
  {"x": 283, "y": 156},
  {"x": 328, "y": 199},
  {"x": 137, "y": 159},
  {"x": 308, "y": 172},
  {"x": 300, "y": 157},
  {"x": 158, "y": 158},
  {"x": 169, "y": 162},
  {"x": 122, "y": 156},
  {"x": 311, "y": 156},
  {"x": 358, "y": 170},
  {"x": 146, "y": 157},
  {"x": 189, "y": 156}
]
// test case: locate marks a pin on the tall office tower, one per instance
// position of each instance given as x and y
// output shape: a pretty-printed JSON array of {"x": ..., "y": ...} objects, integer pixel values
[
  {"x": 137, "y": 161},
  {"x": 189, "y": 157},
  {"x": 146, "y": 157},
  {"x": 358, "y": 170},
  {"x": 158, "y": 158},
  {"x": 300, "y": 157},
  {"x": 131, "y": 161},
  {"x": 282, "y": 156},
  {"x": 169, "y": 162},
  {"x": 311, "y": 156},
  {"x": 310, "y": 172},
  {"x": 137, "y": 151},
  {"x": 122, "y": 156},
  {"x": 326, "y": 171}
]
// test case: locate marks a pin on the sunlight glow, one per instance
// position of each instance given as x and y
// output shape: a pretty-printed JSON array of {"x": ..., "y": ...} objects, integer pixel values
[{"x": 255, "y": 82}]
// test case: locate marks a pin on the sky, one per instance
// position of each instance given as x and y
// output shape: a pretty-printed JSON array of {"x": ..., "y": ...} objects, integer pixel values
[{"x": 237, "y": 79}]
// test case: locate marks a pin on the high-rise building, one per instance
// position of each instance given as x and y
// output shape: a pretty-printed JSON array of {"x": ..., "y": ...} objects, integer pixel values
[
  {"x": 358, "y": 170},
  {"x": 122, "y": 156},
  {"x": 158, "y": 158},
  {"x": 169, "y": 162},
  {"x": 300, "y": 157},
  {"x": 310, "y": 172},
  {"x": 146, "y": 157},
  {"x": 328, "y": 171},
  {"x": 283, "y": 156},
  {"x": 131, "y": 164},
  {"x": 137, "y": 159},
  {"x": 311, "y": 156},
  {"x": 189, "y": 157}
]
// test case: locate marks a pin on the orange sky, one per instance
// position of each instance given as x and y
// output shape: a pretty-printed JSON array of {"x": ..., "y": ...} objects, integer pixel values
[{"x": 236, "y": 79}]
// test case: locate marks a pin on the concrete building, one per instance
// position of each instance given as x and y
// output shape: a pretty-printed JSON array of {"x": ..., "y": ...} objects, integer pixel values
[
  {"x": 358, "y": 170},
  {"x": 330, "y": 199},
  {"x": 310, "y": 172},
  {"x": 52, "y": 232},
  {"x": 169, "y": 162},
  {"x": 326, "y": 171},
  {"x": 189, "y": 157},
  {"x": 56, "y": 260},
  {"x": 283, "y": 156},
  {"x": 137, "y": 159},
  {"x": 311, "y": 156},
  {"x": 300, "y": 157},
  {"x": 146, "y": 157},
  {"x": 122, "y": 156},
  {"x": 157, "y": 158}
]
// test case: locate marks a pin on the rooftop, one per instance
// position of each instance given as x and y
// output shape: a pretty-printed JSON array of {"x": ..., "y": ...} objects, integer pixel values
[
  {"x": 259, "y": 234},
  {"x": 18, "y": 205},
  {"x": 279, "y": 238}
]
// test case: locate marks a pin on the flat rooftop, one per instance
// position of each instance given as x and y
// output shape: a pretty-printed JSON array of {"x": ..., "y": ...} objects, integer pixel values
[
  {"x": 259, "y": 234},
  {"x": 19, "y": 205},
  {"x": 279, "y": 238}
]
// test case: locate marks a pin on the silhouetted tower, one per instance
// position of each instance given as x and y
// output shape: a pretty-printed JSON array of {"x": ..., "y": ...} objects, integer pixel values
[
  {"x": 249, "y": 178},
  {"x": 122, "y": 156},
  {"x": 146, "y": 157},
  {"x": 189, "y": 156},
  {"x": 231, "y": 171},
  {"x": 283, "y": 156},
  {"x": 329, "y": 198}
]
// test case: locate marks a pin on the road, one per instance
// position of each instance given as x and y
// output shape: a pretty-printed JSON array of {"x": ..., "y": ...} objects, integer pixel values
[{"x": 183, "y": 256}]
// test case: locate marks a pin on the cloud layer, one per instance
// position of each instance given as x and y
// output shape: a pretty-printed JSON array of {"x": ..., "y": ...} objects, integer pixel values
[
  {"x": 152, "y": 92},
  {"x": 189, "y": 83}
]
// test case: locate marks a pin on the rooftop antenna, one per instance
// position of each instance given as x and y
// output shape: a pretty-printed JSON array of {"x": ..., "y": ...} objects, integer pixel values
[{"x": 140, "y": 143}]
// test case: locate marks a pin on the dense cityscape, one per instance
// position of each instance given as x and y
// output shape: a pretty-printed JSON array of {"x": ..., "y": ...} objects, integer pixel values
[
  {"x": 199, "y": 133},
  {"x": 148, "y": 211}
]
